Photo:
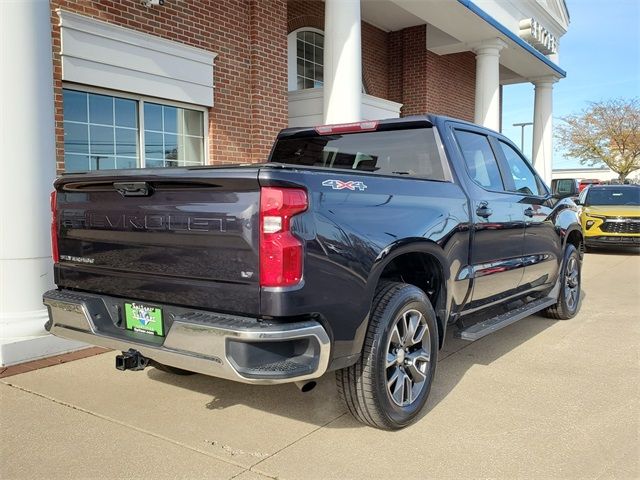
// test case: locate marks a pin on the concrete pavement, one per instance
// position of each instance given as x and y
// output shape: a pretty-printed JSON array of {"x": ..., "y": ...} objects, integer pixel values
[{"x": 539, "y": 399}]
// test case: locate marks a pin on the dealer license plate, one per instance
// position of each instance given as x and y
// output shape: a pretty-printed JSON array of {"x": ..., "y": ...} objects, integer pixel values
[{"x": 143, "y": 318}]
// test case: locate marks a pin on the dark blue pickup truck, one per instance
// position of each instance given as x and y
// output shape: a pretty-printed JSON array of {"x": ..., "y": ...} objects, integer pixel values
[{"x": 352, "y": 250}]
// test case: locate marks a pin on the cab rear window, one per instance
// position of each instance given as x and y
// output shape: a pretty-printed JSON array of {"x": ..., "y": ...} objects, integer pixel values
[{"x": 412, "y": 152}]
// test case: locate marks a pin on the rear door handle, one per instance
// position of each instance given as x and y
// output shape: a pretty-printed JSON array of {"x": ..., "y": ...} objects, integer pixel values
[
  {"x": 529, "y": 212},
  {"x": 483, "y": 210}
]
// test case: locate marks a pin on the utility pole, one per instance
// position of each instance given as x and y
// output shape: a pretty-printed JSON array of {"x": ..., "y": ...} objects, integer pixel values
[{"x": 522, "y": 125}]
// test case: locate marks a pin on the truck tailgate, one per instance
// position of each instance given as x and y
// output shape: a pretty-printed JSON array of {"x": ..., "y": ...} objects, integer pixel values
[{"x": 177, "y": 236}]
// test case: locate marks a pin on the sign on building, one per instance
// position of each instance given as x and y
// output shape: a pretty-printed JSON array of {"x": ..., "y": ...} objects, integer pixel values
[{"x": 539, "y": 37}]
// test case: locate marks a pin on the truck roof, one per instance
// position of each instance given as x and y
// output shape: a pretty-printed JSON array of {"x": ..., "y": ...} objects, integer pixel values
[
  {"x": 411, "y": 121},
  {"x": 417, "y": 121}
]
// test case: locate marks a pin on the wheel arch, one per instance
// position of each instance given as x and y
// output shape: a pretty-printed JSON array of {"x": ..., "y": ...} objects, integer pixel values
[
  {"x": 575, "y": 237},
  {"x": 395, "y": 263}
]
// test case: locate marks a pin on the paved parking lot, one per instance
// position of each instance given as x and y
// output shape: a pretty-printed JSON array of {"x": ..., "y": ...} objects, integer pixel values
[{"x": 539, "y": 399}]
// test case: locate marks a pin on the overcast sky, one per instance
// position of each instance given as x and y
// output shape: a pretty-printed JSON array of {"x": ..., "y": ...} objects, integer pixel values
[{"x": 601, "y": 54}]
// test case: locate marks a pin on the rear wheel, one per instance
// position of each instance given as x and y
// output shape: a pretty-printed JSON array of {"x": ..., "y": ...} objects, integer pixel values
[
  {"x": 568, "y": 302},
  {"x": 389, "y": 385}
]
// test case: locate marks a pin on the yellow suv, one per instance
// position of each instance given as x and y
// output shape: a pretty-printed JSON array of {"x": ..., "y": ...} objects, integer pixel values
[{"x": 610, "y": 215}]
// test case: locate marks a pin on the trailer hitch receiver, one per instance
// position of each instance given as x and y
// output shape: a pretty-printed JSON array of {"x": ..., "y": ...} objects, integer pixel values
[{"x": 131, "y": 360}]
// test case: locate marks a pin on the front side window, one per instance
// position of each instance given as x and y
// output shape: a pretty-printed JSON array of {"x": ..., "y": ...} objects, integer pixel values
[
  {"x": 523, "y": 178},
  {"x": 104, "y": 132},
  {"x": 480, "y": 160}
]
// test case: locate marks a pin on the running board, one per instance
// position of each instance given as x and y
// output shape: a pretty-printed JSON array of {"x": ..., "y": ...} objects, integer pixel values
[{"x": 481, "y": 329}]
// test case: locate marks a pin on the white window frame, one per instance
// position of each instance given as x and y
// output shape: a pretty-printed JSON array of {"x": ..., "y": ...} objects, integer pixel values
[
  {"x": 292, "y": 64},
  {"x": 141, "y": 99}
]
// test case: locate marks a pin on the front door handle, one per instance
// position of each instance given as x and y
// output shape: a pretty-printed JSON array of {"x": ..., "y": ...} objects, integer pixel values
[
  {"x": 529, "y": 212},
  {"x": 483, "y": 210}
]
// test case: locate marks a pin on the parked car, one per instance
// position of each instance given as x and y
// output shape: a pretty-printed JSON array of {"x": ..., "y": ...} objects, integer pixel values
[
  {"x": 585, "y": 182},
  {"x": 352, "y": 250},
  {"x": 610, "y": 215}
]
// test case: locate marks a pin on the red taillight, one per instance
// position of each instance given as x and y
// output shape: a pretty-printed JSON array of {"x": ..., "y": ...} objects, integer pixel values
[
  {"x": 280, "y": 250},
  {"x": 54, "y": 227},
  {"x": 368, "y": 126}
]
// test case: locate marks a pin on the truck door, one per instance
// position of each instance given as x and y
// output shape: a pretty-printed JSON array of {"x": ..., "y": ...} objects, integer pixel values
[
  {"x": 498, "y": 223},
  {"x": 542, "y": 248}
]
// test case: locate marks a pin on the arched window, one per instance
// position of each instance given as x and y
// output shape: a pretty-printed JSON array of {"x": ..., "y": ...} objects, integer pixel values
[{"x": 306, "y": 58}]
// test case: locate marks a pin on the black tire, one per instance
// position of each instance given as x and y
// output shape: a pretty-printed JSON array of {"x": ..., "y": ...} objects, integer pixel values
[
  {"x": 570, "y": 287},
  {"x": 170, "y": 369},
  {"x": 366, "y": 386}
]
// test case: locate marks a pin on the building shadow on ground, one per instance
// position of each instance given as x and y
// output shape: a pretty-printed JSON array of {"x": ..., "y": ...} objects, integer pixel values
[{"x": 322, "y": 404}]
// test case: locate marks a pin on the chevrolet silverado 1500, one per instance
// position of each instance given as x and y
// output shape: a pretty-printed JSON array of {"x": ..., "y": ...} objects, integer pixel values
[{"x": 353, "y": 249}]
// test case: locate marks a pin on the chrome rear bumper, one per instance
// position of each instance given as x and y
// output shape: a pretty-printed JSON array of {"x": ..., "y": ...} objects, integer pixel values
[{"x": 236, "y": 348}]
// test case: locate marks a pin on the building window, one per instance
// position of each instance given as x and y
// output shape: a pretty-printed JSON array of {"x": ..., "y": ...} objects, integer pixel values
[
  {"x": 306, "y": 59},
  {"x": 104, "y": 132},
  {"x": 173, "y": 136}
]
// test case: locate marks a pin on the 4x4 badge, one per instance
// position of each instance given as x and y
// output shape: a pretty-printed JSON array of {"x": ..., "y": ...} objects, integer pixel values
[{"x": 340, "y": 185}]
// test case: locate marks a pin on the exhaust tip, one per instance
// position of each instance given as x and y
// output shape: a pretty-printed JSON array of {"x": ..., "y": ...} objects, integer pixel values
[{"x": 306, "y": 386}]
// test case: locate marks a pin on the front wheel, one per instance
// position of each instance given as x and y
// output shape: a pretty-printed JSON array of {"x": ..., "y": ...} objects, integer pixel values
[
  {"x": 568, "y": 302},
  {"x": 389, "y": 385}
]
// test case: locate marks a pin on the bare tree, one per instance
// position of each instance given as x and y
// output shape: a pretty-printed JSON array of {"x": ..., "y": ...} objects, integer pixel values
[{"x": 606, "y": 132}]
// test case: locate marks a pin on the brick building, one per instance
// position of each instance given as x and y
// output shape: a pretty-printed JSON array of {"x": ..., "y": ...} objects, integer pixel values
[{"x": 131, "y": 83}]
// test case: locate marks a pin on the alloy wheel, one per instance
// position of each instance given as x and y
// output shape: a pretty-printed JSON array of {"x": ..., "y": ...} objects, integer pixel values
[
  {"x": 408, "y": 357},
  {"x": 572, "y": 283}
]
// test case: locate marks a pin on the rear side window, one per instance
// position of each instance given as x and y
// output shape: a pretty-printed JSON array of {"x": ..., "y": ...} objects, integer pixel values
[
  {"x": 411, "y": 153},
  {"x": 480, "y": 160}
]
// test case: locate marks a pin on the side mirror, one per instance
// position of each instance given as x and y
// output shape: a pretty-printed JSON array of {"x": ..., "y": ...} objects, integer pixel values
[{"x": 565, "y": 187}]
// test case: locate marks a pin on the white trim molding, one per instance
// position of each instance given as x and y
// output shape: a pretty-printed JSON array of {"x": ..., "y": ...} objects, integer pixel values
[
  {"x": 305, "y": 107},
  {"x": 109, "y": 56}
]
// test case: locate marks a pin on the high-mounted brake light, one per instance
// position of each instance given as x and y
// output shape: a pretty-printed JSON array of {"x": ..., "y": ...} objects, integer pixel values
[
  {"x": 356, "y": 127},
  {"x": 280, "y": 250},
  {"x": 54, "y": 227}
]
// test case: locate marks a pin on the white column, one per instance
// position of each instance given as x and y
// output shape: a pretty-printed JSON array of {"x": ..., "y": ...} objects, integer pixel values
[
  {"x": 342, "y": 62},
  {"x": 26, "y": 175},
  {"x": 543, "y": 127},
  {"x": 488, "y": 83}
]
